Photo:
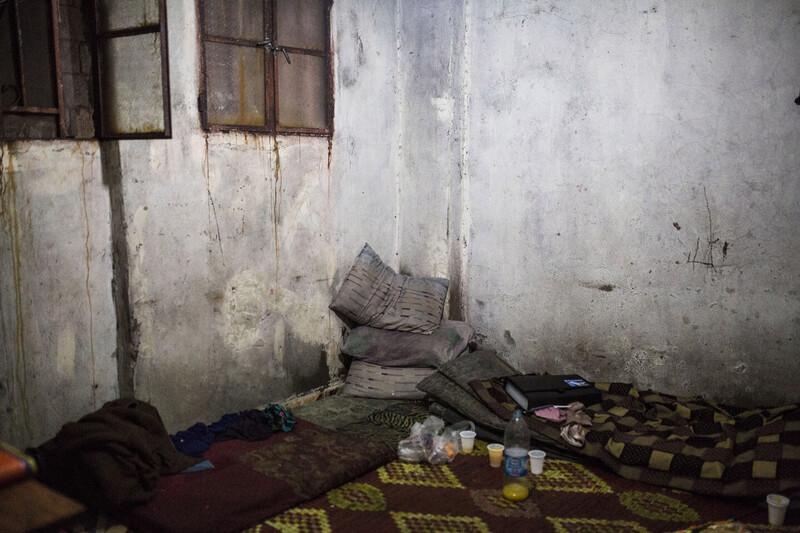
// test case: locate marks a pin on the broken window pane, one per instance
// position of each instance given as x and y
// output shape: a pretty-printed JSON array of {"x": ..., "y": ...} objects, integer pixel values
[
  {"x": 29, "y": 80},
  {"x": 239, "y": 19},
  {"x": 301, "y": 24},
  {"x": 235, "y": 85},
  {"x": 301, "y": 92},
  {"x": 132, "y": 92},
  {"x": 115, "y": 15}
]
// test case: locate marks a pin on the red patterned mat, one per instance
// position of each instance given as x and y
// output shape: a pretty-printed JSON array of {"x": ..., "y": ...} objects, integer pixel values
[
  {"x": 251, "y": 481},
  {"x": 465, "y": 496}
]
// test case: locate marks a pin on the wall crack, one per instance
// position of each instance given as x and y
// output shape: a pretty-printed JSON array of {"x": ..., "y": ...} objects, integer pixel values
[{"x": 712, "y": 241}]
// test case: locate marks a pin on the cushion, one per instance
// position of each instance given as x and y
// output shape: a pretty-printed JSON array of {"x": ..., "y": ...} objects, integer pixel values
[
  {"x": 400, "y": 348},
  {"x": 481, "y": 364},
  {"x": 449, "y": 385},
  {"x": 372, "y": 294},
  {"x": 375, "y": 381},
  {"x": 448, "y": 393}
]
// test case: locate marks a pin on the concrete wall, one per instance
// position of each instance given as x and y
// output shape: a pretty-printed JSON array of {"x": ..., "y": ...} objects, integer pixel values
[
  {"x": 57, "y": 320},
  {"x": 237, "y": 243},
  {"x": 633, "y": 192},
  {"x": 575, "y": 169}
]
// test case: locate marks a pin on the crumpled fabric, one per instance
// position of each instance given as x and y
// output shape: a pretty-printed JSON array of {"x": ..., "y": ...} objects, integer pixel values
[
  {"x": 250, "y": 425},
  {"x": 576, "y": 424},
  {"x": 193, "y": 441},
  {"x": 552, "y": 413},
  {"x": 113, "y": 457},
  {"x": 280, "y": 417}
]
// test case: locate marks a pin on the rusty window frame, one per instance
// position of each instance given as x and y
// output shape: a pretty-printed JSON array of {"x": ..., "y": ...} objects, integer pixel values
[
  {"x": 271, "y": 119},
  {"x": 22, "y": 107},
  {"x": 102, "y": 36}
]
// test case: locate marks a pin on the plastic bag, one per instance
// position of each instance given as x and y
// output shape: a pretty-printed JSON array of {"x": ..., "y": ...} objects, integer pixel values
[{"x": 430, "y": 441}]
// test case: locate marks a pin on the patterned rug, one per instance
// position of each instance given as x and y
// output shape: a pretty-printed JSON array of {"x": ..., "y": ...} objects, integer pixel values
[
  {"x": 465, "y": 496},
  {"x": 384, "y": 421},
  {"x": 254, "y": 480},
  {"x": 685, "y": 443}
]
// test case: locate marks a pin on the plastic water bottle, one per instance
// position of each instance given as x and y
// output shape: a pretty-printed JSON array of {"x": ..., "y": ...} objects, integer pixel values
[{"x": 517, "y": 440}]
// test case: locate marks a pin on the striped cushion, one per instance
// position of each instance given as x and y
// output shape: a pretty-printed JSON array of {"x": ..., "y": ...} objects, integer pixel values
[
  {"x": 375, "y": 381},
  {"x": 373, "y": 295}
]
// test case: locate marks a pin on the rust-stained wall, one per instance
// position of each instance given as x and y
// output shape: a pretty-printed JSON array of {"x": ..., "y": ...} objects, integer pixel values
[
  {"x": 611, "y": 189},
  {"x": 226, "y": 247},
  {"x": 57, "y": 326}
]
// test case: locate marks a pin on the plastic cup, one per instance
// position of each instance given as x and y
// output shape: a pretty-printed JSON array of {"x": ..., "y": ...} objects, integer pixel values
[
  {"x": 537, "y": 461},
  {"x": 467, "y": 441},
  {"x": 495, "y": 455},
  {"x": 777, "y": 505}
]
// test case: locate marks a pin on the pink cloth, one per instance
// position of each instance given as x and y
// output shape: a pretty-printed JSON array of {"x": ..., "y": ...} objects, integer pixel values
[
  {"x": 575, "y": 425},
  {"x": 552, "y": 413}
]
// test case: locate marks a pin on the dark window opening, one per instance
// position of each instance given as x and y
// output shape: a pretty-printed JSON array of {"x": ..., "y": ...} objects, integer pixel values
[
  {"x": 83, "y": 69},
  {"x": 266, "y": 66},
  {"x": 31, "y": 101}
]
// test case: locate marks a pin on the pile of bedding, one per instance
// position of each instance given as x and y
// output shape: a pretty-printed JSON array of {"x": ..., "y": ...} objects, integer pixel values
[
  {"x": 684, "y": 443},
  {"x": 244, "y": 468},
  {"x": 397, "y": 336}
]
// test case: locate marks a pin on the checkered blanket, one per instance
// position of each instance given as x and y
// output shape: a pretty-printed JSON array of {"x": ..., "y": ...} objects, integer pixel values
[{"x": 683, "y": 443}]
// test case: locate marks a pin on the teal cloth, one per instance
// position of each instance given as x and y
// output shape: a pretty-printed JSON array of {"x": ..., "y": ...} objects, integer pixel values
[{"x": 280, "y": 417}]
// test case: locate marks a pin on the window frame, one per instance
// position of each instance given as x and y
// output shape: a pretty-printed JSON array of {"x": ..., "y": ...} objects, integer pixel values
[
  {"x": 271, "y": 91},
  {"x": 19, "y": 66},
  {"x": 99, "y": 72}
]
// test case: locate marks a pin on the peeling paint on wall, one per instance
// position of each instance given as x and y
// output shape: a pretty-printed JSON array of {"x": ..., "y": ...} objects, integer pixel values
[
  {"x": 65, "y": 353},
  {"x": 142, "y": 329},
  {"x": 276, "y": 365},
  {"x": 249, "y": 303},
  {"x": 243, "y": 308},
  {"x": 445, "y": 109}
]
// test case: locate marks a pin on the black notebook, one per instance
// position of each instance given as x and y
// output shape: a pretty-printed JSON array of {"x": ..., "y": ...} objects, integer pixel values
[{"x": 534, "y": 391}]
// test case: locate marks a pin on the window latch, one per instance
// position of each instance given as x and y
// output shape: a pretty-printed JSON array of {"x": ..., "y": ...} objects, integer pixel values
[{"x": 267, "y": 43}]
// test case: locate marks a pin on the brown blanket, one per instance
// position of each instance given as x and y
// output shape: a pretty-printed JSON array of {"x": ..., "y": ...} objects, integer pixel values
[
  {"x": 113, "y": 457},
  {"x": 685, "y": 443}
]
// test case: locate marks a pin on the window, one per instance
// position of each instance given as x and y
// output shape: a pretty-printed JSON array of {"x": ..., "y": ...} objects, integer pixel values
[
  {"x": 132, "y": 68},
  {"x": 56, "y": 73},
  {"x": 31, "y": 101},
  {"x": 266, "y": 66}
]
